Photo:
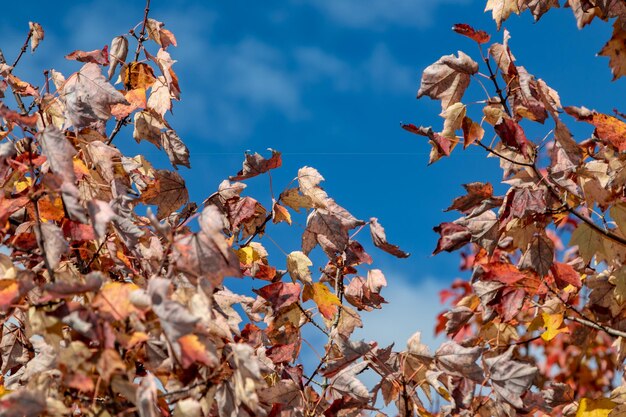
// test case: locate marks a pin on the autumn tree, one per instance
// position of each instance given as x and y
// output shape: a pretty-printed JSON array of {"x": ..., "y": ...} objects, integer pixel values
[
  {"x": 114, "y": 293},
  {"x": 539, "y": 327}
]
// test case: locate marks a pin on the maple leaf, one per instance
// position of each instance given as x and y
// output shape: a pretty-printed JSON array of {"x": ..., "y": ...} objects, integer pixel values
[
  {"x": 565, "y": 275},
  {"x": 193, "y": 350},
  {"x": 59, "y": 152},
  {"x": 552, "y": 323},
  {"x": 89, "y": 97},
  {"x": 502, "y": 9},
  {"x": 610, "y": 130},
  {"x": 54, "y": 244},
  {"x": 207, "y": 253},
  {"x": 600, "y": 407},
  {"x": 380, "y": 240},
  {"x": 326, "y": 301},
  {"x": 441, "y": 145},
  {"x": 457, "y": 360},
  {"x": 472, "y": 132},
  {"x": 512, "y": 135},
  {"x": 329, "y": 228},
  {"x": 255, "y": 164},
  {"x": 510, "y": 379},
  {"x": 538, "y": 7},
  {"x": 175, "y": 148},
  {"x": 298, "y": 267},
  {"x": 308, "y": 184},
  {"x": 615, "y": 49},
  {"x": 280, "y": 214},
  {"x": 539, "y": 255},
  {"x": 478, "y": 36},
  {"x": 453, "y": 237},
  {"x": 447, "y": 79},
  {"x": 280, "y": 294},
  {"x": 172, "y": 193},
  {"x": 100, "y": 57},
  {"x": 114, "y": 300},
  {"x": 346, "y": 382}
]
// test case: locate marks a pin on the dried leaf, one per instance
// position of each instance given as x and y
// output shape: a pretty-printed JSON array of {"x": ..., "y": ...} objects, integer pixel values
[
  {"x": 100, "y": 57},
  {"x": 380, "y": 240},
  {"x": 255, "y": 164},
  {"x": 510, "y": 379},
  {"x": 89, "y": 97},
  {"x": 37, "y": 35},
  {"x": 447, "y": 79}
]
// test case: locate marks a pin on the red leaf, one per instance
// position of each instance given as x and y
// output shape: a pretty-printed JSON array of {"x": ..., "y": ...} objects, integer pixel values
[
  {"x": 96, "y": 56},
  {"x": 564, "y": 274},
  {"x": 479, "y": 36},
  {"x": 512, "y": 135},
  {"x": 453, "y": 237},
  {"x": 280, "y": 294}
]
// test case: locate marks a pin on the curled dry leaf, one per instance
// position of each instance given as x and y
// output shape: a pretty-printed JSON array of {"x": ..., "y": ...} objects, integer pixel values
[
  {"x": 36, "y": 35},
  {"x": 447, "y": 79},
  {"x": 380, "y": 240}
]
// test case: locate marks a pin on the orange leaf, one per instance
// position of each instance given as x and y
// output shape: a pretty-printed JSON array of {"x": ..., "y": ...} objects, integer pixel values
[
  {"x": 114, "y": 300},
  {"x": 326, "y": 301},
  {"x": 193, "y": 350}
]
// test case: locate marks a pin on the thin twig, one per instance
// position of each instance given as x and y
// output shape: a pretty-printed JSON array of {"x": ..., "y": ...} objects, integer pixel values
[
  {"x": 310, "y": 319},
  {"x": 142, "y": 34},
  {"x": 24, "y": 48}
]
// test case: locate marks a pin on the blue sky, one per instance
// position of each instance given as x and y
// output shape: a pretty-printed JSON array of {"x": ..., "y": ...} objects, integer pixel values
[{"x": 327, "y": 83}]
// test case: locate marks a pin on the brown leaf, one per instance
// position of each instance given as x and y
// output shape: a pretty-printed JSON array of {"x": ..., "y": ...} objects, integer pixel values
[
  {"x": 610, "y": 130},
  {"x": 513, "y": 136},
  {"x": 148, "y": 125},
  {"x": 457, "y": 360},
  {"x": 280, "y": 294},
  {"x": 539, "y": 255},
  {"x": 14, "y": 347},
  {"x": 472, "y": 132},
  {"x": 100, "y": 57},
  {"x": 615, "y": 49},
  {"x": 59, "y": 152},
  {"x": 447, "y": 79},
  {"x": 502, "y": 9},
  {"x": 380, "y": 240},
  {"x": 453, "y": 237},
  {"x": 172, "y": 193},
  {"x": 113, "y": 299},
  {"x": 54, "y": 244},
  {"x": 256, "y": 165},
  {"x": 291, "y": 198},
  {"x": 137, "y": 75},
  {"x": 207, "y": 253},
  {"x": 89, "y": 97},
  {"x": 175, "y": 149},
  {"x": 477, "y": 192},
  {"x": 176, "y": 321},
  {"x": 37, "y": 35},
  {"x": 280, "y": 214},
  {"x": 565, "y": 275},
  {"x": 510, "y": 379},
  {"x": 22, "y": 403},
  {"x": 479, "y": 36},
  {"x": 329, "y": 228}
]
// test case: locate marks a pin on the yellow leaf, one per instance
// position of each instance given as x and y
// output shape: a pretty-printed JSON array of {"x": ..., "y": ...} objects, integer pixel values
[
  {"x": 193, "y": 350},
  {"x": 114, "y": 299},
  {"x": 23, "y": 184},
  {"x": 552, "y": 323},
  {"x": 595, "y": 408},
  {"x": 326, "y": 301},
  {"x": 247, "y": 255}
]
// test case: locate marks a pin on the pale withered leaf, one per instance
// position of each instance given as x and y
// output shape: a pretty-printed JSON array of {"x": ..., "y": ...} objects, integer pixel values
[
  {"x": 510, "y": 379},
  {"x": 89, "y": 97},
  {"x": 447, "y": 79},
  {"x": 380, "y": 240},
  {"x": 175, "y": 149}
]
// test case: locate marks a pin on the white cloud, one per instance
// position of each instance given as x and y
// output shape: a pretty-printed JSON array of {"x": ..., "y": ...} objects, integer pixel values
[
  {"x": 378, "y": 14},
  {"x": 412, "y": 306}
]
